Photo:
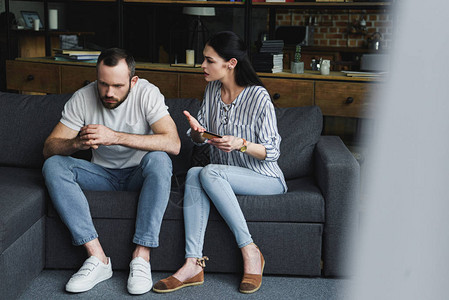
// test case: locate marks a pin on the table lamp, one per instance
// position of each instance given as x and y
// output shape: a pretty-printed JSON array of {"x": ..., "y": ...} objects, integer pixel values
[{"x": 198, "y": 33}]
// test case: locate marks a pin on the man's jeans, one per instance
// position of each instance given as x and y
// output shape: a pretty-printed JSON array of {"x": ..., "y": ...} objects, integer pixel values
[
  {"x": 66, "y": 177},
  {"x": 220, "y": 184}
]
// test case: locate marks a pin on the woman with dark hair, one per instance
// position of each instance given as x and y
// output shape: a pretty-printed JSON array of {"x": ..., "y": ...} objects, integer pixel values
[{"x": 243, "y": 157}]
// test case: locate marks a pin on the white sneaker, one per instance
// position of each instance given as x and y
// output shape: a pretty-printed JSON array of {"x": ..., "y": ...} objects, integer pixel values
[
  {"x": 92, "y": 272},
  {"x": 139, "y": 280}
]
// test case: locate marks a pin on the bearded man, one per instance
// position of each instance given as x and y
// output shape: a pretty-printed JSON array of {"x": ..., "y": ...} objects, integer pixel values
[{"x": 124, "y": 121}]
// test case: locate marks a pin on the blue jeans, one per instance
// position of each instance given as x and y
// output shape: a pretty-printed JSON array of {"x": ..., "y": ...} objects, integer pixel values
[
  {"x": 66, "y": 177},
  {"x": 220, "y": 184}
]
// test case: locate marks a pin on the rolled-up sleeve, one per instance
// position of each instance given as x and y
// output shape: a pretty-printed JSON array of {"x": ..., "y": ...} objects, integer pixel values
[{"x": 268, "y": 134}]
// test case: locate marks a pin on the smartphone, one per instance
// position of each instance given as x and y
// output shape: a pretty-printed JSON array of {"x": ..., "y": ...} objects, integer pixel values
[{"x": 210, "y": 135}]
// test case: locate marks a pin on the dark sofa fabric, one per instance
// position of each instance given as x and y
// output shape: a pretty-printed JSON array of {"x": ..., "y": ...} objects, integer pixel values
[
  {"x": 300, "y": 129},
  {"x": 22, "y": 261},
  {"x": 26, "y": 122},
  {"x": 23, "y": 197},
  {"x": 338, "y": 176},
  {"x": 303, "y": 232},
  {"x": 183, "y": 161}
]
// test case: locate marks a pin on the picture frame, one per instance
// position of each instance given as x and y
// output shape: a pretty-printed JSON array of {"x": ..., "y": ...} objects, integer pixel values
[{"x": 29, "y": 17}]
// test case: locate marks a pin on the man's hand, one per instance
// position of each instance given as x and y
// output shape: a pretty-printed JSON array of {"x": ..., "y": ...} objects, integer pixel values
[{"x": 92, "y": 136}]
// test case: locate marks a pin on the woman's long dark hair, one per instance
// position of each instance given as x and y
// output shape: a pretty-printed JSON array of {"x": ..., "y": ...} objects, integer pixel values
[{"x": 229, "y": 45}]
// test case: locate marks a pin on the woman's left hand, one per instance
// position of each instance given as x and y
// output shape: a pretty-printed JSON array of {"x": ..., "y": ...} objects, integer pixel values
[{"x": 227, "y": 143}]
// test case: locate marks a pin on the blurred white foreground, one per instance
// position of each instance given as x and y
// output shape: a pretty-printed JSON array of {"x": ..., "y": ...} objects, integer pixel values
[{"x": 402, "y": 249}]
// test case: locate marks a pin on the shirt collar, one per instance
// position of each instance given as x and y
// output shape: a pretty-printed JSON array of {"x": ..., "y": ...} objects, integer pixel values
[{"x": 236, "y": 101}]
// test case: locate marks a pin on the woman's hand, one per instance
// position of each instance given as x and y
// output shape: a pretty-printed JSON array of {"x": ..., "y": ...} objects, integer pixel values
[
  {"x": 227, "y": 143},
  {"x": 194, "y": 124},
  {"x": 197, "y": 129},
  {"x": 230, "y": 143}
]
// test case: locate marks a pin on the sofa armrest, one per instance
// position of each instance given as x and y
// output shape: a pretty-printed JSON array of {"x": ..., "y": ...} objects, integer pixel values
[{"x": 337, "y": 173}]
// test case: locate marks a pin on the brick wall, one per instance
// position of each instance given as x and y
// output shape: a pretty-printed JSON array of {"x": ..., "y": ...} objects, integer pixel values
[{"x": 333, "y": 28}]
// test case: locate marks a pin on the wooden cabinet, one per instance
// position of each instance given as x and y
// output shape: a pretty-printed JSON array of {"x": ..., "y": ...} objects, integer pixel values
[
  {"x": 348, "y": 99},
  {"x": 290, "y": 93},
  {"x": 33, "y": 77},
  {"x": 75, "y": 77},
  {"x": 337, "y": 95},
  {"x": 168, "y": 83},
  {"x": 192, "y": 86}
]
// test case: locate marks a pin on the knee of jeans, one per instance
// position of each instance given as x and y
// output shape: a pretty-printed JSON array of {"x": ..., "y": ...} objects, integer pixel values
[
  {"x": 156, "y": 161},
  {"x": 193, "y": 174},
  {"x": 210, "y": 171},
  {"x": 53, "y": 163}
]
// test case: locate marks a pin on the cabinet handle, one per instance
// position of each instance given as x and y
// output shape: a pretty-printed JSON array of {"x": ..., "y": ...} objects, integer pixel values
[
  {"x": 86, "y": 82},
  {"x": 349, "y": 100},
  {"x": 30, "y": 77},
  {"x": 276, "y": 96}
]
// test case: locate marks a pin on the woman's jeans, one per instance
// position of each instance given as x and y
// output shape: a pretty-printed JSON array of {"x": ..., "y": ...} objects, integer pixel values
[
  {"x": 220, "y": 184},
  {"x": 66, "y": 177}
]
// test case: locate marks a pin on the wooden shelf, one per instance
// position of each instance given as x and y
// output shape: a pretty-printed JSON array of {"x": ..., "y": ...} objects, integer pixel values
[
  {"x": 93, "y": 1},
  {"x": 334, "y": 5},
  {"x": 315, "y": 75},
  {"x": 189, "y": 3},
  {"x": 342, "y": 5}
]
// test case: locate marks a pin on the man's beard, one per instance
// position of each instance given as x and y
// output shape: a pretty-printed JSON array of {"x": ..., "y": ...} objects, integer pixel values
[{"x": 117, "y": 101}]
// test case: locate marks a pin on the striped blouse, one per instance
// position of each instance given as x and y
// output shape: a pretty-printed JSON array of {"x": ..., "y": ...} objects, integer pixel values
[{"x": 250, "y": 116}]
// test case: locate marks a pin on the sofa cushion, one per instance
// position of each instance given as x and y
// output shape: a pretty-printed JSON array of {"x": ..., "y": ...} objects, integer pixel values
[
  {"x": 300, "y": 129},
  {"x": 182, "y": 161},
  {"x": 26, "y": 122},
  {"x": 22, "y": 202},
  {"x": 303, "y": 203}
]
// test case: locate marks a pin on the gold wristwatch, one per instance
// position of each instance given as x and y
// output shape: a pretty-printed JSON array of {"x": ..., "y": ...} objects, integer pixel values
[{"x": 245, "y": 146}]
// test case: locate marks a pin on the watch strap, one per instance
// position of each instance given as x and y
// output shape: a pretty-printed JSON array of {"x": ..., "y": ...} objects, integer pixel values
[{"x": 245, "y": 146}]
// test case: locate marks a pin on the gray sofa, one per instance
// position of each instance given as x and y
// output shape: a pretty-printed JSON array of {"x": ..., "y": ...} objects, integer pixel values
[{"x": 303, "y": 232}]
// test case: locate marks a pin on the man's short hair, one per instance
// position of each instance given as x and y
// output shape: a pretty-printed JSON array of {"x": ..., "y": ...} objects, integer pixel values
[{"x": 111, "y": 57}]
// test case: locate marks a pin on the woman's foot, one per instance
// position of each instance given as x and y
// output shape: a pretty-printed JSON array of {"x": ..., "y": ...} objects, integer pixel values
[
  {"x": 190, "y": 274},
  {"x": 251, "y": 259},
  {"x": 253, "y": 264},
  {"x": 188, "y": 270}
]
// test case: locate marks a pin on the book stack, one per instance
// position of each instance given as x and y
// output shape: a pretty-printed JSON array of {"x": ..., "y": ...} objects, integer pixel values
[
  {"x": 270, "y": 57},
  {"x": 272, "y": 46},
  {"x": 81, "y": 55}
]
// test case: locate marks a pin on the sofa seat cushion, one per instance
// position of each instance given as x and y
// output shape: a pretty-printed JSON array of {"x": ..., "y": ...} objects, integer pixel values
[
  {"x": 22, "y": 202},
  {"x": 303, "y": 204}
]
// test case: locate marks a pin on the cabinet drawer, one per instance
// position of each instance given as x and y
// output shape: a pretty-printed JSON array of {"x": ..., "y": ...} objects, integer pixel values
[
  {"x": 166, "y": 82},
  {"x": 75, "y": 77},
  {"x": 288, "y": 92},
  {"x": 192, "y": 86},
  {"x": 341, "y": 99},
  {"x": 32, "y": 77}
]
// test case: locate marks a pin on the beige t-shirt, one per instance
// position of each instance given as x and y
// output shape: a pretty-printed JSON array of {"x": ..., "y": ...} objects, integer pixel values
[{"x": 144, "y": 105}]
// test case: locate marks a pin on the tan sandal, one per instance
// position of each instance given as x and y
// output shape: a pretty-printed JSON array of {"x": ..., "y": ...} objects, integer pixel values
[
  {"x": 252, "y": 282},
  {"x": 172, "y": 284}
]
